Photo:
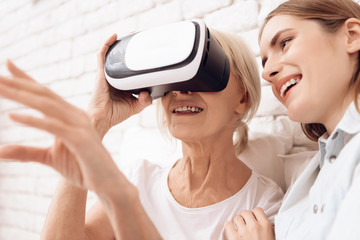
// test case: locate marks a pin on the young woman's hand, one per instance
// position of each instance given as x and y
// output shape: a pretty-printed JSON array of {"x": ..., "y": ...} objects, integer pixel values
[
  {"x": 77, "y": 153},
  {"x": 109, "y": 106},
  {"x": 250, "y": 225}
]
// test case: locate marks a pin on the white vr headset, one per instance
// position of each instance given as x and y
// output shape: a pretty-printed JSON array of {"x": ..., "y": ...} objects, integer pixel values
[{"x": 181, "y": 56}]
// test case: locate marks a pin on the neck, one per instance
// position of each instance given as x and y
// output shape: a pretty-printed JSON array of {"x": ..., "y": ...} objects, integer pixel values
[
  {"x": 209, "y": 172},
  {"x": 336, "y": 114}
]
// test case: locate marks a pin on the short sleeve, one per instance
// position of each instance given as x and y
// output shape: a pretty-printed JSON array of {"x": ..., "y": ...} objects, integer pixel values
[{"x": 271, "y": 196}]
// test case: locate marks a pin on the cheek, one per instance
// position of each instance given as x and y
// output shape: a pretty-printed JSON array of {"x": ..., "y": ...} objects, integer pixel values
[
  {"x": 297, "y": 54},
  {"x": 164, "y": 105},
  {"x": 224, "y": 112},
  {"x": 276, "y": 93}
]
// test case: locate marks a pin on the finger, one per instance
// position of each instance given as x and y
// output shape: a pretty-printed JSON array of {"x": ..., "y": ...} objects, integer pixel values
[
  {"x": 103, "y": 50},
  {"x": 50, "y": 125},
  {"x": 68, "y": 135},
  {"x": 248, "y": 216},
  {"x": 17, "y": 72},
  {"x": 23, "y": 153},
  {"x": 30, "y": 86},
  {"x": 36, "y": 96},
  {"x": 259, "y": 213},
  {"x": 261, "y": 216},
  {"x": 101, "y": 84},
  {"x": 230, "y": 231},
  {"x": 240, "y": 224}
]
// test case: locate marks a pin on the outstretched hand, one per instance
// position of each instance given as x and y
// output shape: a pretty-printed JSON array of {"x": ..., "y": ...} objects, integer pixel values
[
  {"x": 77, "y": 153},
  {"x": 250, "y": 225},
  {"x": 108, "y": 106}
]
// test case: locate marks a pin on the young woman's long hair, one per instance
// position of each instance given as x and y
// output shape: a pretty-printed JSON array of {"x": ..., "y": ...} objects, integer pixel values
[{"x": 331, "y": 15}]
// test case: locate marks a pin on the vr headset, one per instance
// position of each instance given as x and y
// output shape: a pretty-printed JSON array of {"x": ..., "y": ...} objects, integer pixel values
[{"x": 181, "y": 56}]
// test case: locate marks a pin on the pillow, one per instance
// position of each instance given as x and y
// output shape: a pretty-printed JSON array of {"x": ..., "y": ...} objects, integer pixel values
[
  {"x": 269, "y": 137},
  {"x": 269, "y": 105},
  {"x": 294, "y": 164},
  {"x": 277, "y": 149}
]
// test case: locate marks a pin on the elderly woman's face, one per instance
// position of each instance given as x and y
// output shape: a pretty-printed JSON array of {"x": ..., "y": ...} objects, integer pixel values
[{"x": 197, "y": 115}]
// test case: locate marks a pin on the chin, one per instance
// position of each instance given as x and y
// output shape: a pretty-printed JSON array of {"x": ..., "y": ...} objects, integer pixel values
[
  {"x": 184, "y": 135},
  {"x": 299, "y": 112}
]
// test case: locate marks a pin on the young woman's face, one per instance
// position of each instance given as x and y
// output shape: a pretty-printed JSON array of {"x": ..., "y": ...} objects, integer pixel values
[
  {"x": 309, "y": 69},
  {"x": 198, "y": 115}
]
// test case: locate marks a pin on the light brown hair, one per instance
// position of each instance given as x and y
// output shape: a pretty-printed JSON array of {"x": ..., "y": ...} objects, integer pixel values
[{"x": 331, "y": 15}]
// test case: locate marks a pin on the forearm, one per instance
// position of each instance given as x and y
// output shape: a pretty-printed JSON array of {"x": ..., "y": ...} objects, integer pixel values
[
  {"x": 127, "y": 216},
  {"x": 66, "y": 215}
]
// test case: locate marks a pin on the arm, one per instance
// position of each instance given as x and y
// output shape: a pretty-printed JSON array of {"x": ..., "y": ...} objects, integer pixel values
[
  {"x": 117, "y": 213},
  {"x": 126, "y": 213},
  {"x": 66, "y": 216},
  {"x": 80, "y": 157}
]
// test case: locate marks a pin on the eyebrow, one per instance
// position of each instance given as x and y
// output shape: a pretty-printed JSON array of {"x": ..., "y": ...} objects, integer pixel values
[{"x": 273, "y": 42}]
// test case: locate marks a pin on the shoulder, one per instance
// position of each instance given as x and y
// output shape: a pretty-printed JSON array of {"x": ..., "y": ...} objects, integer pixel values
[
  {"x": 267, "y": 194},
  {"x": 265, "y": 185}
]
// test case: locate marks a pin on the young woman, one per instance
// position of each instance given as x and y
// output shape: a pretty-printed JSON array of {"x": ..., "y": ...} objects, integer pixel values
[
  {"x": 310, "y": 54},
  {"x": 191, "y": 199}
]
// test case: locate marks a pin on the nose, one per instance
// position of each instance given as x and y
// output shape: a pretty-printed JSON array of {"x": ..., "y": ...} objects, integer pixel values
[
  {"x": 270, "y": 71},
  {"x": 178, "y": 93}
]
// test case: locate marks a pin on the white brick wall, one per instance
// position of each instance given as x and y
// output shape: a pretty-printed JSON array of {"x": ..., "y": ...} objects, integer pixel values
[{"x": 56, "y": 41}]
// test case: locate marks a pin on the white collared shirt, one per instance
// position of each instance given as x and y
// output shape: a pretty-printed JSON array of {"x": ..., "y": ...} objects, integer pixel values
[{"x": 324, "y": 202}]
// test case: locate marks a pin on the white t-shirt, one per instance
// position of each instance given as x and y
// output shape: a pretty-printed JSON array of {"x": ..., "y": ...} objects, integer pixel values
[{"x": 175, "y": 221}]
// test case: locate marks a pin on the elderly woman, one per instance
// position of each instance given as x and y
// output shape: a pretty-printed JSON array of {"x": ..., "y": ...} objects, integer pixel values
[{"x": 191, "y": 199}]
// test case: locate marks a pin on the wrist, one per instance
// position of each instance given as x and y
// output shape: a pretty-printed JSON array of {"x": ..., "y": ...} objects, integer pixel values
[
  {"x": 127, "y": 215},
  {"x": 101, "y": 126},
  {"x": 116, "y": 180},
  {"x": 69, "y": 189}
]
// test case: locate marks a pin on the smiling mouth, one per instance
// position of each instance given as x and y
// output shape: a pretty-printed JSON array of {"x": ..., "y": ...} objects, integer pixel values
[
  {"x": 288, "y": 85},
  {"x": 187, "y": 109}
]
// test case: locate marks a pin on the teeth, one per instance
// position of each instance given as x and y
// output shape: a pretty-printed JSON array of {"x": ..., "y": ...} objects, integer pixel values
[
  {"x": 286, "y": 85},
  {"x": 187, "y": 109}
]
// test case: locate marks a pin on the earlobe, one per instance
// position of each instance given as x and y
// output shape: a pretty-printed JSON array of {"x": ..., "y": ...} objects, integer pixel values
[
  {"x": 352, "y": 26},
  {"x": 241, "y": 108},
  {"x": 244, "y": 99}
]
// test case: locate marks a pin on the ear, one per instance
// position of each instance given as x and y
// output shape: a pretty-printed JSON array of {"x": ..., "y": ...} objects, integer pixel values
[
  {"x": 352, "y": 28},
  {"x": 242, "y": 105}
]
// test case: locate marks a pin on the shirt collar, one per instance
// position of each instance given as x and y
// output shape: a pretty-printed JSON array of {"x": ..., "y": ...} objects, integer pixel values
[{"x": 348, "y": 125}]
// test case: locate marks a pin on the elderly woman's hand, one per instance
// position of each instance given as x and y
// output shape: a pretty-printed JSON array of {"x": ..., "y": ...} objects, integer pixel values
[
  {"x": 108, "y": 107},
  {"x": 78, "y": 153},
  {"x": 250, "y": 225}
]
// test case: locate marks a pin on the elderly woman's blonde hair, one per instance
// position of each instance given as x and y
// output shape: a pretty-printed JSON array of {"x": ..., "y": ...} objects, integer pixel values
[{"x": 243, "y": 66}]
